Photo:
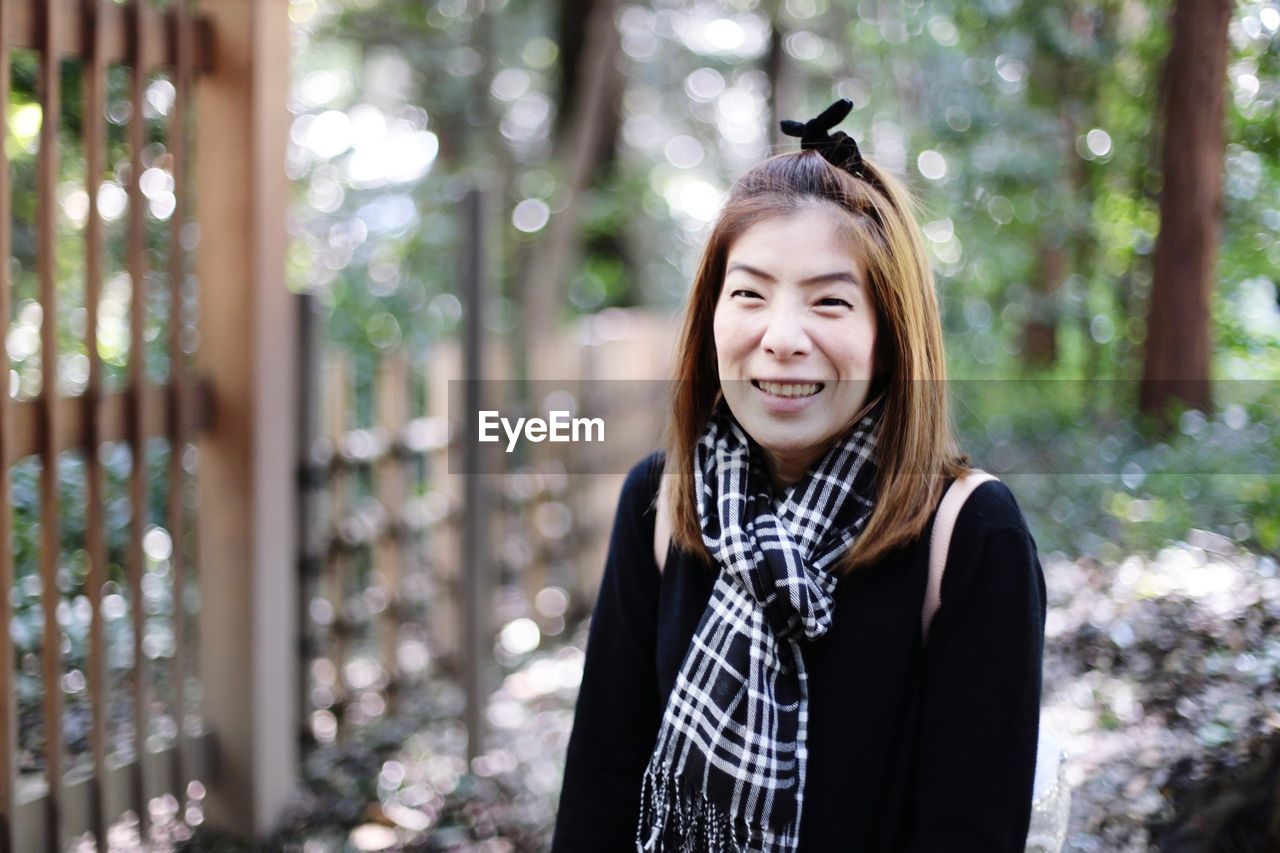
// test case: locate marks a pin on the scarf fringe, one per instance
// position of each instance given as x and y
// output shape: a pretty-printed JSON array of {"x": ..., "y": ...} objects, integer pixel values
[{"x": 676, "y": 817}]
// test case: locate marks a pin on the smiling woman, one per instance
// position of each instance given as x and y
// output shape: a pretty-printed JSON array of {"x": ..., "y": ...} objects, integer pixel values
[
  {"x": 756, "y": 674},
  {"x": 794, "y": 344}
]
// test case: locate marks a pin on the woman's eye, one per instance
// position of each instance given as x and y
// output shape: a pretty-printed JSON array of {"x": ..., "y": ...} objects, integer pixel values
[
  {"x": 750, "y": 294},
  {"x": 835, "y": 301}
]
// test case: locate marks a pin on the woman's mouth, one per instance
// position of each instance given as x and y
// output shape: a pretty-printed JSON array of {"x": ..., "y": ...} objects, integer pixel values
[{"x": 789, "y": 390}]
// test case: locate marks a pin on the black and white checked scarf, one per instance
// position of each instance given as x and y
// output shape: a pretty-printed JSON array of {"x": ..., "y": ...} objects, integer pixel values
[{"x": 728, "y": 767}]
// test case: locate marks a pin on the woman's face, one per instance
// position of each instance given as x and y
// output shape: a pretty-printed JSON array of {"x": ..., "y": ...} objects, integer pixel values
[{"x": 795, "y": 332}]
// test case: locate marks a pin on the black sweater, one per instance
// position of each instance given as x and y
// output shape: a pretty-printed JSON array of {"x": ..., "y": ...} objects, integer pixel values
[{"x": 911, "y": 748}]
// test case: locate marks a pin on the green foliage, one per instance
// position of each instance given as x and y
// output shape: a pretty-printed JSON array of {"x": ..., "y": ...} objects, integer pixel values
[{"x": 1106, "y": 484}]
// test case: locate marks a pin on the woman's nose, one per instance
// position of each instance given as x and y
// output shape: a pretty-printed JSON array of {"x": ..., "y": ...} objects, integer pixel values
[{"x": 785, "y": 335}]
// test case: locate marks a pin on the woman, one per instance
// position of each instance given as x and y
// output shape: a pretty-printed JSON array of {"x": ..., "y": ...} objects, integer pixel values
[{"x": 762, "y": 683}]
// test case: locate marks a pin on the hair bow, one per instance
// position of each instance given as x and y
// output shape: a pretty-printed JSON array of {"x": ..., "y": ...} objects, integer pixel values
[{"x": 838, "y": 148}]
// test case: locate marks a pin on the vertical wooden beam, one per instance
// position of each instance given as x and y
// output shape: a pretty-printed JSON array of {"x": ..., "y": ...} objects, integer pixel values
[
  {"x": 136, "y": 262},
  {"x": 183, "y": 42},
  {"x": 311, "y": 560},
  {"x": 47, "y": 273},
  {"x": 391, "y": 399},
  {"x": 340, "y": 388},
  {"x": 95, "y": 152},
  {"x": 246, "y": 486},
  {"x": 476, "y": 593},
  {"x": 8, "y": 710},
  {"x": 446, "y": 538}
]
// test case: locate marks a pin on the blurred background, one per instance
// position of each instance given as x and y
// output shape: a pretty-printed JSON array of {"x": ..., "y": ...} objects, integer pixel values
[{"x": 320, "y": 635}]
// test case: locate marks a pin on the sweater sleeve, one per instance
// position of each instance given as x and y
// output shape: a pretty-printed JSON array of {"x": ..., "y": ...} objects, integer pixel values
[
  {"x": 617, "y": 715},
  {"x": 981, "y": 691}
]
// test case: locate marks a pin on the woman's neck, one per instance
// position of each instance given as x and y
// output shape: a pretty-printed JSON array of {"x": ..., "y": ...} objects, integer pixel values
[{"x": 786, "y": 469}]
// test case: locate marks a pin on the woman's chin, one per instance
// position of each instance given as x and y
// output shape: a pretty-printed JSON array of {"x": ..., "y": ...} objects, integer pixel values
[
  {"x": 788, "y": 442},
  {"x": 788, "y": 433}
]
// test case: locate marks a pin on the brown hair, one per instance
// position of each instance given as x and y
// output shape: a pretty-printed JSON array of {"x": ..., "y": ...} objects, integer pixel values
[{"x": 919, "y": 452}]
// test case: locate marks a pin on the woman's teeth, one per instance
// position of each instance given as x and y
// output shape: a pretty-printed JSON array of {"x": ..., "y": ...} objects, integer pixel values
[{"x": 780, "y": 390}]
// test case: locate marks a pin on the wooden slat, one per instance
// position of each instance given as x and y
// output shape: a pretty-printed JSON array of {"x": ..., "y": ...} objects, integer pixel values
[
  {"x": 95, "y": 152},
  {"x": 49, "y": 86},
  {"x": 135, "y": 260},
  {"x": 176, "y": 512},
  {"x": 73, "y": 34},
  {"x": 392, "y": 391},
  {"x": 339, "y": 385},
  {"x": 112, "y": 419},
  {"x": 8, "y": 711},
  {"x": 476, "y": 641},
  {"x": 311, "y": 330}
]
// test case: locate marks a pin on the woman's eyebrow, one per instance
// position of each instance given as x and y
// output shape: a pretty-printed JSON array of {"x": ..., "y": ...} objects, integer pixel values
[{"x": 824, "y": 278}]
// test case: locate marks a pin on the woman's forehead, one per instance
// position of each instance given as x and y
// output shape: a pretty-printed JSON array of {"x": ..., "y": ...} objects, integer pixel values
[
  {"x": 820, "y": 218},
  {"x": 812, "y": 242}
]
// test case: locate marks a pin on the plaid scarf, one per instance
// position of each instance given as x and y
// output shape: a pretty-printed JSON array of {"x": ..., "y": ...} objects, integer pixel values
[{"x": 728, "y": 767}]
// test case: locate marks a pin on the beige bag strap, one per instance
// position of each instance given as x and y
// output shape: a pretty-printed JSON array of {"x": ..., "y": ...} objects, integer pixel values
[
  {"x": 661, "y": 526},
  {"x": 940, "y": 540}
]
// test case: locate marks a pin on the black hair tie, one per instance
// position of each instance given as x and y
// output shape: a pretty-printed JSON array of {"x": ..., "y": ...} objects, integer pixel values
[{"x": 838, "y": 148}]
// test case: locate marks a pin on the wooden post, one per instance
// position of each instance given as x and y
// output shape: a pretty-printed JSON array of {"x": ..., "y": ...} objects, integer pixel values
[
  {"x": 310, "y": 329},
  {"x": 247, "y": 499},
  {"x": 339, "y": 394},
  {"x": 179, "y": 381},
  {"x": 8, "y": 708},
  {"x": 391, "y": 401},
  {"x": 445, "y": 539},
  {"x": 139, "y": 493},
  {"x": 476, "y": 595},
  {"x": 95, "y": 153},
  {"x": 49, "y": 90}
]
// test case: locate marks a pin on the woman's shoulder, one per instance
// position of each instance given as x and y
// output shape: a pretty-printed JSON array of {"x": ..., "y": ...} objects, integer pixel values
[
  {"x": 991, "y": 510},
  {"x": 992, "y": 560},
  {"x": 640, "y": 489}
]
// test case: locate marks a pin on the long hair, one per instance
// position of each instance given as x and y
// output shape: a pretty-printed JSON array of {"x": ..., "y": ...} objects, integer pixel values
[{"x": 916, "y": 448}]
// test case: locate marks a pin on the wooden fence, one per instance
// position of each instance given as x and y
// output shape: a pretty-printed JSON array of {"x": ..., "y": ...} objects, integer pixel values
[
  {"x": 192, "y": 703},
  {"x": 61, "y": 802},
  {"x": 201, "y": 708},
  {"x": 385, "y": 603},
  {"x": 366, "y": 574}
]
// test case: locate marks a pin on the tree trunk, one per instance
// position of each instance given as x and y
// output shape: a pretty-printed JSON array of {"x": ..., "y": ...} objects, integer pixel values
[
  {"x": 1040, "y": 331},
  {"x": 580, "y": 151},
  {"x": 1177, "y": 353},
  {"x": 775, "y": 68}
]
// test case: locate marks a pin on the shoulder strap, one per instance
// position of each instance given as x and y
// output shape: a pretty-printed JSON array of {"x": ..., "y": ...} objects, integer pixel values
[
  {"x": 940, "y": 540},
  {"x": 661, "y": 525}
]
